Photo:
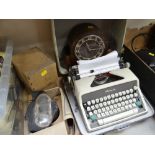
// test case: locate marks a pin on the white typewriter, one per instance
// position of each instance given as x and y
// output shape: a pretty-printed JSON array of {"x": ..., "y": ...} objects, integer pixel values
[{"x": 107, "y": 94}]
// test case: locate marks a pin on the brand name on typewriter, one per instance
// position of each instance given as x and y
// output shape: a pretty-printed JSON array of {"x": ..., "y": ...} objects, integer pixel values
[{"x": 110, "y": 90}]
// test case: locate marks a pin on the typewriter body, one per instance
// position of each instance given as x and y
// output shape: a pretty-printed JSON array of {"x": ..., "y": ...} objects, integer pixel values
[
  {"x": 109, "y": 103},
  {"x": 108, "y": 98}
]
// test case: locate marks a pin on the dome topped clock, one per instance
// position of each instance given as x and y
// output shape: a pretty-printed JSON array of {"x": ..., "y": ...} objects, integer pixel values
[{"x": 86, "y": 42}]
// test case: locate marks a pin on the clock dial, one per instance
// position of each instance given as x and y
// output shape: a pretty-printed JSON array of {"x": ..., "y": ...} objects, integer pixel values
[{"x": 89, "y": 47}]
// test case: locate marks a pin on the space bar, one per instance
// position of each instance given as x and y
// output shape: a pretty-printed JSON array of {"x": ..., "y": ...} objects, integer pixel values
[{"x": 120, "y": 116}]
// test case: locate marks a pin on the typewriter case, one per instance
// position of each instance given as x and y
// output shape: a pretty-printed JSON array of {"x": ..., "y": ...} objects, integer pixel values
[{"x": 60, "y": 31}]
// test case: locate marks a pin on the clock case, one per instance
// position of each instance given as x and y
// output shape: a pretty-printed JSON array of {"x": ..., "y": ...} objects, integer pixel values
[{"x": 60, "y": 31}]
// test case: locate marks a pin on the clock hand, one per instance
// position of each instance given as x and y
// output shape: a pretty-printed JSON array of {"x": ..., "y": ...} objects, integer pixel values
[
  {"x": 95, "y": 49},
  {"x": 88, "y": 47}
]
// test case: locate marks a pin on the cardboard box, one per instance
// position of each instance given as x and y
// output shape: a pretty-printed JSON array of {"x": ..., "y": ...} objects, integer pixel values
[
  {"x": 145, "y": 74},
  {"x": 35, "y": 69}
]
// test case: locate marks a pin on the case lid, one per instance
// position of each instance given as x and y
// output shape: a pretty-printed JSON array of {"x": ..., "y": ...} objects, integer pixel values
[{"x": 62, "y": 27}]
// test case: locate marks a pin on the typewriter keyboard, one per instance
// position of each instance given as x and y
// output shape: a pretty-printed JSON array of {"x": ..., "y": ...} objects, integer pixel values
[{"x": 113, "y": 107}]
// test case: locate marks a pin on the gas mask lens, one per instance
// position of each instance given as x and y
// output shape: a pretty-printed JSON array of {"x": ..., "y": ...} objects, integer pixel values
[{"x": 43, "y": 111}]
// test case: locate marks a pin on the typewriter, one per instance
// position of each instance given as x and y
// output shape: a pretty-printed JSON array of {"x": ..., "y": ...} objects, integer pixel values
[{"x": 107, "y": 92}]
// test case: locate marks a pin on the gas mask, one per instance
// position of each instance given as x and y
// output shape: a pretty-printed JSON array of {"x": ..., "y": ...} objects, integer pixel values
[{"x": 41, "y": 113}]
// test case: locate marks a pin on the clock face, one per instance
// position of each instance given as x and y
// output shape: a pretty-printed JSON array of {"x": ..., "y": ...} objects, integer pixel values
[{"x": 89, "y": 47}]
